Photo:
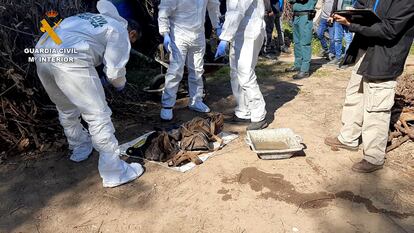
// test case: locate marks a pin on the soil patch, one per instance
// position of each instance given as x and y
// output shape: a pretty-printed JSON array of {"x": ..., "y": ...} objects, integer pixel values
[{"x": 276, "y": 187}]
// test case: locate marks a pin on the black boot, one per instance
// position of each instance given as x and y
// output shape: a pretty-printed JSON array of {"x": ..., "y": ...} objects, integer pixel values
[
  {"x": 284, "y": 49},
  {"x": 257, "y": 125},
  {"x": 238, "y": 121},
  {"x": 291, "y": 69},
  {"x": 301, "y": 75}
]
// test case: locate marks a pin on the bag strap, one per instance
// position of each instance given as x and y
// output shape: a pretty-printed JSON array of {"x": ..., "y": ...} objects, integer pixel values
[{"x": 376, "y": 5}]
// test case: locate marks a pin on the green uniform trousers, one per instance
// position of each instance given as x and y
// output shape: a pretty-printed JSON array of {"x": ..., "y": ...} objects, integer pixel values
[{"x": 302, "y": 38}]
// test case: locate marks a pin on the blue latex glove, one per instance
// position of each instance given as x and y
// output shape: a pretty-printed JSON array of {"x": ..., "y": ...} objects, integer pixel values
[
  {"x": 167, "y": 41},
  {"x": 221, "y": 49},
  {"x": 104, "y": 81},
  {"x": 119, "y": 89},
  {"x": 218, "y": 31}
]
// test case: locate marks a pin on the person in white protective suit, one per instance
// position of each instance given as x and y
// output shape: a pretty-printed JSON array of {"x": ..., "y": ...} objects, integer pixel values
[
  {"x": 77, "y": 91},
  {"x": 244, "y": 28},
  {"x": 181, "y": 23}
]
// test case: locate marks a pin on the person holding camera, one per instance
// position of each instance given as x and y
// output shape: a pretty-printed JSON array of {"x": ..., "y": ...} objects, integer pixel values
[
  {"x": 303, "y": 13},
  {"x": 380, "y": 51}
]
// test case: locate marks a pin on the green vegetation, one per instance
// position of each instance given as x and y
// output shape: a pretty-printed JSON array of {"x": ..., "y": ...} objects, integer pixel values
[
  {"x": 270, "y": 70},
  {"x": 287, "y": 30},
  {"x": 141, "y": 71},
  {"x": 321, "y": 73},
  {"x": 222, "y": 75},
  {"x": 316, "y": 45}
]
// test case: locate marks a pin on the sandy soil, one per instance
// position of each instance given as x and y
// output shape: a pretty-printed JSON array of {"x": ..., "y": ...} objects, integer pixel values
[{"x": 234, "y": 191}]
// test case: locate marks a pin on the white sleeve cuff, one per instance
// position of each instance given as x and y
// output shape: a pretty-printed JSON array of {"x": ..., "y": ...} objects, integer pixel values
[
  {"x": 116, "y": 76},
  {"x": 118, "y": 82}
]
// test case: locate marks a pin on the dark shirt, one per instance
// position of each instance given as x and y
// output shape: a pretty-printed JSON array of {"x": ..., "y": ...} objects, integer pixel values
[{"x": 386, "y": 43}]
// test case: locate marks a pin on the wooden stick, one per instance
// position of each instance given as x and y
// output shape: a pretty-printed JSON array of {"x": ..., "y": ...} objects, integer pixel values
[
  {"x": 21, "y": 32},
  {"x": 398, "y": 143}
]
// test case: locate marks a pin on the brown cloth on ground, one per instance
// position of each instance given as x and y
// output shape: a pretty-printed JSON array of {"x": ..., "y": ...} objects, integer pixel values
[
  {"x": 199, "y": 132},
  {"x": 159, "y": 146},
  {"x": 184, "y": 144}
]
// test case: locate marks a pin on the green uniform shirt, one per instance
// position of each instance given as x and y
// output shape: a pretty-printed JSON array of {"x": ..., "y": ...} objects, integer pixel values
[{"x": 309, "y": 5}]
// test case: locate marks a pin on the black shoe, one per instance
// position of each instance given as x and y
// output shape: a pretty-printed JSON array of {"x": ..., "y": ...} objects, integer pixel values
[
  {"x": 292, "y": 69},
  {"x": 343, "y": 67},
  {"x": 301, "y": 75},
  {"x": 334, "y": 62},
  {"x": 323, "y": 53},
  {"x": 284, "y": 49},
  {"x": 235, "y": 120},
  {"x": 269, "y": 56},
  {"x": 257, "y": 125}
]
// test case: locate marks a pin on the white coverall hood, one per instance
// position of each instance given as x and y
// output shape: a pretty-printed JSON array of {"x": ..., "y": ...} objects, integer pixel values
[{"x": 107, "y": 8}]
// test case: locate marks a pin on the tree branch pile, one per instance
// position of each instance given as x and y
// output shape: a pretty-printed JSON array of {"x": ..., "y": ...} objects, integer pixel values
[
  {"x": 402, "y": 118},
  {"x": 288, "y": 11}
]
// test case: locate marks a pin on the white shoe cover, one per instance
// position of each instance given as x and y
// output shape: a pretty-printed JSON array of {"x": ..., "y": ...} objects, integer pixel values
[
  {"x": 133, "y": 171},
  {"x": 81, "y": 152},
  {"x": 199, "y": 107},
  {"x": 166, "y": 114}
]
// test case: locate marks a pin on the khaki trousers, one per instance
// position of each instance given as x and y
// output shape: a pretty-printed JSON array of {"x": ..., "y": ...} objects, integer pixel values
[{"x": 367, "y": 112}]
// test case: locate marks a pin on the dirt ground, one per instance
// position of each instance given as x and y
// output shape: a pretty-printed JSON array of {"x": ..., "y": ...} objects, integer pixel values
[{"x": 232, "y": 192}]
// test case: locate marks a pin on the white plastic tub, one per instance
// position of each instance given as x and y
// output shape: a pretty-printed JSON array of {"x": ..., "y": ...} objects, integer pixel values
[{"x": 279, "y": 143}]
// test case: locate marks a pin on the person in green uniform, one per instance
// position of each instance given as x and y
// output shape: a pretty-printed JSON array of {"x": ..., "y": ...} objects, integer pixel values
[{"x": 303, "y": 13}]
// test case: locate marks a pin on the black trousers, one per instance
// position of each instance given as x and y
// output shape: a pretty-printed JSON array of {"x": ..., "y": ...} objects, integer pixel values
[
  {"x": 271, "y": 22},
  {"x": 280, "y": 34}
]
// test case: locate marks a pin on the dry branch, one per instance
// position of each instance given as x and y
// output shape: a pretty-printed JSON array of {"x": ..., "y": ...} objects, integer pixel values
[{"x": 402, "y": 117}]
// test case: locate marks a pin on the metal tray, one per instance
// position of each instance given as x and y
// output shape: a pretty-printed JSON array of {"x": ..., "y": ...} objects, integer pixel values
[{"x": 279, "y": 143}]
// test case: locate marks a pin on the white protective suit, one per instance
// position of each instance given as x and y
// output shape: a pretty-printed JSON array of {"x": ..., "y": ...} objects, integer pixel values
[
  {"x": 77, "y": 91},
  {"x": 244, "y": 28},
  {"x": 184, "y": 21}
]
